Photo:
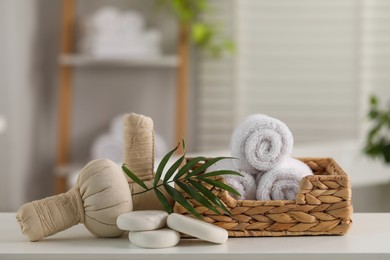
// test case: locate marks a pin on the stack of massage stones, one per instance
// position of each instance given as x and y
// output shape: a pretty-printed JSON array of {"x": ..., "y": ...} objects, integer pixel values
[{"x": 158, "y": 229}]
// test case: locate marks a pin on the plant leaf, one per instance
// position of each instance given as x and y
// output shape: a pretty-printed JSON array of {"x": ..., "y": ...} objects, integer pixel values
[
  {"x": 207, "y": 165},
  {"x": 218, "y": 173},
  {"x": 162, "y": 164},
  {"x": 201, "y": 33},
  {"x": 229, "y": 46},
  {"x": 220, "y": 185},
  {"x": 183, "y": 143},
  {"x": 176, "y": 165},
  {"x": 373, "y": 101},
  {"x": 211, "y": 196},
  {"x": 196, "y": 196},
  {"x": 373, "y": 114},
  {"x": 386, "y": 153},
  {"x": 163, "y": 200},
  {"x": 173, "y": 168},
  {"x": 179, "y": 198},
  {"x": 373, "y": 132},
  {"x": 188, "y": 166},
  {"x": 133, "y": 176}
]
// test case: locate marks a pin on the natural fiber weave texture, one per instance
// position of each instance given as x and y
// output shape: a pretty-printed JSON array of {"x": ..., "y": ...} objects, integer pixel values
[{"x": 323, "y": 206}]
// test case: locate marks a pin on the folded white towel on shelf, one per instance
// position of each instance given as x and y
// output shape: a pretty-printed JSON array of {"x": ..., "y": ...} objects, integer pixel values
[
  {"x": 260, "y": 142},
  {"x": 121, "y": 52},
  {"x": 131, "y": 23},
  {"x": 110, "y": 145},
  {"x": 116, "y": 126},
  {"x": 113, "y": 33},
  {"x": 111, "y": 21},
  {"x": 103, "y": 19},
  {"x": 244, "y": 184},
  {"x": 283, "y": 181}
]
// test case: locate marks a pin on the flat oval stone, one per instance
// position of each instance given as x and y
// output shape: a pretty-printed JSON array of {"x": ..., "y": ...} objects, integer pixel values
[
  {"x": 160, "y": 238},
  {"x": 142, "y": 220},
  {"x": 197, "y": 228}
]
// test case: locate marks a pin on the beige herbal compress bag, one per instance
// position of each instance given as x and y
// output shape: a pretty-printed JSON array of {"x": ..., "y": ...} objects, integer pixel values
[
  {"x": 139, "y": 158},
  {"x": 102, "y": 192},
  {"x": 100, "y": 195}
]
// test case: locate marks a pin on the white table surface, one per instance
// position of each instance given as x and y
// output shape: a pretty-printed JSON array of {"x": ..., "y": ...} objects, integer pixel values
[{"x": 369, "y": 238}]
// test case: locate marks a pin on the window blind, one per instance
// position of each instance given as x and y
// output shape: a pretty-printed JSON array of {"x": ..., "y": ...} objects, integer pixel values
[
  {"x": 376, "y": 48},
  {"x": 215, "y": 84},
  {"x": 299, "y": 63},
  {"x": 297, "y": 60}
]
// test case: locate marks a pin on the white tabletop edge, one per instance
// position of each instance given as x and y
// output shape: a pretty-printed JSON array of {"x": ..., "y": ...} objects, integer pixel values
[{"x": 368, "y": 237}]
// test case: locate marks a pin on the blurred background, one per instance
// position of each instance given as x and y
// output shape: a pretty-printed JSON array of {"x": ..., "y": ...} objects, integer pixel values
[{"x": 69, "y": 69}]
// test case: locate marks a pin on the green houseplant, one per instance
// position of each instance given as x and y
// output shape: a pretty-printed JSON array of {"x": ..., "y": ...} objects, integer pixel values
[
  {"x": 201, "y": 33},
  {"x": 378, "y": 137}
]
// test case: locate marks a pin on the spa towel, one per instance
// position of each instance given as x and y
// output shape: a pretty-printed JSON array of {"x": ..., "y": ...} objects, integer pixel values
[
  {"x": 282, "y": 182},
  {"x": 245, "y": 184},
  {"x": 260, "y": 142},
  {"x": 110, "y": 144},
  {"x": 110, "y": 32}
]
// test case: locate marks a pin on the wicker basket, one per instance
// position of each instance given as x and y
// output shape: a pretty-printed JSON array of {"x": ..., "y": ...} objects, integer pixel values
[{"x": 322, "y": 207}]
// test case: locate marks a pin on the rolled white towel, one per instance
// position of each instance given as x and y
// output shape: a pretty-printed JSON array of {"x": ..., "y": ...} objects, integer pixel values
[
  {"x": 283, "y": 181},
  {"x": 160, "y": 146},
  {"x": 244, "y": 184},
  {"x": 260, "y": 142},
  {"x": 116, "y": 126},
  {"x": 108, "y": 146}
]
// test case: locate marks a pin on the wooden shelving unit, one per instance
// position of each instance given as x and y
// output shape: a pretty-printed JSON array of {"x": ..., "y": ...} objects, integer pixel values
[
  {"x": 68, "y": 61},
  {"x": 74, "y": 60}
]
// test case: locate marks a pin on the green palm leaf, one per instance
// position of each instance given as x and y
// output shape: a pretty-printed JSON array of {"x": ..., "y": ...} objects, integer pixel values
[
  {"x": 185, "y": 179},
  {"x": 133, "y": 176},
  {"x": 196, "y": 196},
  {"x": 220, "y": 185},
  {"x": 173, "y": 168},
  {"x": 162, "y": 164},
  {"x": 207, "y": 165},
  {"x": 218, "y": 173},
  {"x": 188, "y": 166},
  {"x": 179, "y": 198},
  {"x": 163, "y": 200},
  {"x": 211, "y": 196},
  {"x": 177, "y": 164}
]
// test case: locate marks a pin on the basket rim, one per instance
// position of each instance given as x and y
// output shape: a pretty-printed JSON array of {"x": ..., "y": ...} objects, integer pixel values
[{"x": 341, "y": 175}]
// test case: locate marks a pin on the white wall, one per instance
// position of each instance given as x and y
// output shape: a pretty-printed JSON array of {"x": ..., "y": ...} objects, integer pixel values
[{"x": 18, "y": 99}]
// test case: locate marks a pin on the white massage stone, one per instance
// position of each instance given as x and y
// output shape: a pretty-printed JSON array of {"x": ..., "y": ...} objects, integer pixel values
[
  {"x": 160, "y": 238},
  {"x": 142, "y": 220},
  {"x": 197, "y": 228}
]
